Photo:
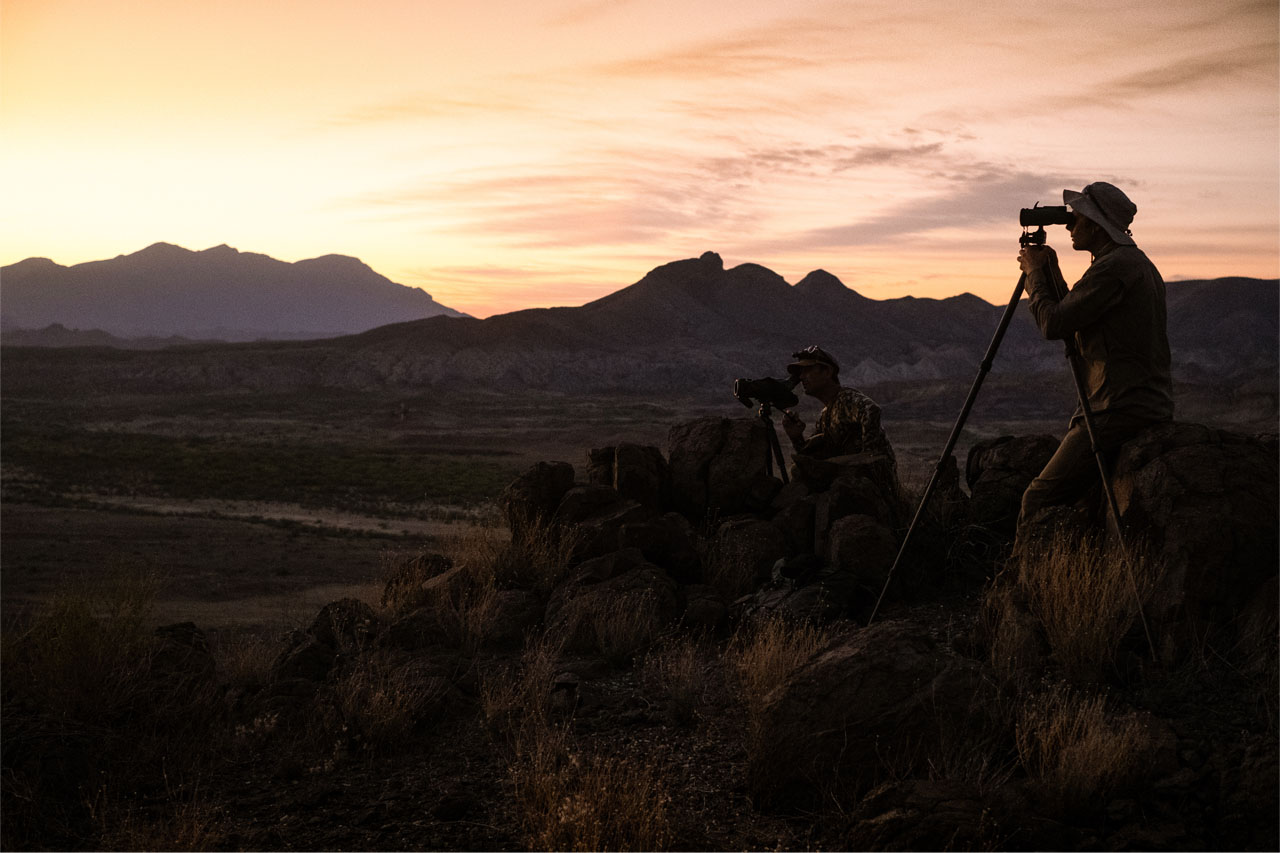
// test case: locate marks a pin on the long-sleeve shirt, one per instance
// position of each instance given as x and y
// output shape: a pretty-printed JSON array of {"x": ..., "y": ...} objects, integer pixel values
[{"x": 1118, "y": 316}]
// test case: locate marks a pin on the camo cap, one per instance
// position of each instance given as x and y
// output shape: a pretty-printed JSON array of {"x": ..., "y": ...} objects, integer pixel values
[{"x": 808, "y": 357}]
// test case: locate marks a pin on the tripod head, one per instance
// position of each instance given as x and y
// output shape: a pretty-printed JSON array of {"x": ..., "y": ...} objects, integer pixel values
[{"x": 1032, "y": 238}]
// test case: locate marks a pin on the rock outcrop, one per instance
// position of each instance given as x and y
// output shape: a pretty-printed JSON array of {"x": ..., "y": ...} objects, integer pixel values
[
  {"x": 872, "y": 700},
  {"x": 1205, "y": 501}
]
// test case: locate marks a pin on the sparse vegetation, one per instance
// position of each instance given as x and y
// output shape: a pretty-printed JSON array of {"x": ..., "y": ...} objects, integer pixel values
[
  {"x": 95, "y": 709},
  {"x": 573, "y": 800},
  {"x": 680, "y": 670},
  {"x": 1082, "y": 594},
  {"x": 1076, "y": 749},
  {"x": 764, "y": 655},
  {"x": 638, "y": 737}
]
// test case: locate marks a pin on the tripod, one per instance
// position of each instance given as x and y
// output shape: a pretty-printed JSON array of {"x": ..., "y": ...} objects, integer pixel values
[
  {"x": 775, "y": 448},
  {"x": 1077, "y": 375}
]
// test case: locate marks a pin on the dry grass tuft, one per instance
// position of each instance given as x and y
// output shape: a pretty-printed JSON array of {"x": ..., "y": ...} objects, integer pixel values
[
  {"x": 378, "y": 703},
  {"x": 405, "y": 576},
  {"x": 764, "y": 656},
  {"x": 623, "y": 627},
  {"x": 1077, "y": 751},
  {"x": 565, "y": 799},
  {"x": 517, "y": 699},
  {"x": 538, "y": 557},
  {"x": 678, "y": 672},
  {"x": 244, "y": 658},
  {"x": 568, "y": 800},
  {"x": 93, "y": 713},
  {"x": 1081, "y": 593}
]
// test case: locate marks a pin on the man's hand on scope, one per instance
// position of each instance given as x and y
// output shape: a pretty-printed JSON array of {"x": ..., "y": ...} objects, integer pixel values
[
  {"x": 793, "y": 426},
  {"x": 1036, "y": 257}
]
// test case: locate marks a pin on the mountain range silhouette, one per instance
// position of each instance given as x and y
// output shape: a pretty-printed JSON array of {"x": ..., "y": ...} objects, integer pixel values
[
  {"x": 684, "y": 324},
  {"x": 218, "y": 293}
]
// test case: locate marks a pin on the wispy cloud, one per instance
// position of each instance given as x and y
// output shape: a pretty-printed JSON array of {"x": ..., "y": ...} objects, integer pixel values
[
  {"x": 1193, "y": 71},
  {"x": 639, "y": 196},
  {"x": 986, "y": 195}
]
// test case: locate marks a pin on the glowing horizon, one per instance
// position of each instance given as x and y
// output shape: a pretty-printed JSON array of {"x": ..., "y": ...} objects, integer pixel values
[{"x": 525, "y": 154}]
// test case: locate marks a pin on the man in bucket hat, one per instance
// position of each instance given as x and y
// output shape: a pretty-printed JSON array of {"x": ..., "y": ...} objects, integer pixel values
[
  {"x": 849, "y": 421},
  {"x": 1117, "y": 314}
]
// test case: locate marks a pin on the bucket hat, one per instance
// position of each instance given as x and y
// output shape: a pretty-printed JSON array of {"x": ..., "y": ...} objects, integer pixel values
[{"x": 1106, "y": 205}]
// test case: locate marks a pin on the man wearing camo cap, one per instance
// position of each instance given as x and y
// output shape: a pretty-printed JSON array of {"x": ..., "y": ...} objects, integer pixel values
[
  {"x": 849, "y": 421},
  {"x": 1117, "y": 314}
]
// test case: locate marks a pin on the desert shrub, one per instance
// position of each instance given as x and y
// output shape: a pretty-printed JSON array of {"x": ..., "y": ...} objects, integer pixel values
[
  {"x": 980, "y": 754},
  {"x": 1077, "y": 751},
  {"x": 244, "y": 658},
  {"x": 94, "y": 714},
  {"x": 623, "y": 627},
  {"x": 571, "y": 800},
  {"x": 376, "y": 704},
  {"x": 467, "y": 613},
  {"x": 516, "y": 698},
  {"x": 1082, "y": 592},
  {"x": 404, "y": 576},
  {"x": 676, "y": 671},
  {"x": 538, "y": 556},
  {"x": 764, "y": 655}
]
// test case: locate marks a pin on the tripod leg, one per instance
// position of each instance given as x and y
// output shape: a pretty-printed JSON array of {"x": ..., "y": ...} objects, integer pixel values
[
  {"x": 775, "y": 451},
  {"x": 983, "y": 369},
  {"x": 1076, "y": 374}
]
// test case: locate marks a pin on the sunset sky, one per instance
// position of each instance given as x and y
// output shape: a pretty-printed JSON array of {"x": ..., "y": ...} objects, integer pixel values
[{"x": 504, "y": 154}]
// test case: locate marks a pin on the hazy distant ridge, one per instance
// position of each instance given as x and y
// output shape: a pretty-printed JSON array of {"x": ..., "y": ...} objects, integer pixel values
[
  {"x": 222, "y": 293},
  {"x": 689, "y": 325}
]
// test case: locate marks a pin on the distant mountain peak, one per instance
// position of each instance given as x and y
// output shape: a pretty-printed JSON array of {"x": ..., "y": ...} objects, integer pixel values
[{"x": 820, "y": 281}]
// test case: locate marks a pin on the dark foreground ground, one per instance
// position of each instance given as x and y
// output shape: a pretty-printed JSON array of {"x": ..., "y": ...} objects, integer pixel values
[{"x": 245, "y": 516}]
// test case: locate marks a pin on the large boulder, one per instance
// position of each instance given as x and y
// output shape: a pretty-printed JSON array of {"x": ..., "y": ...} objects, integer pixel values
[
  {"x": 595, "y": 517},
  {"x": 667, "y": 540},
  {"x": 1205, "y": 502},
  {"x": 863, "y": 547},
  {"x": 532, "y": 497},
  {"x": 885, "y": 693},
  {"x": 747, "y": 547},
  {"x": 998, "y": 471},
  {"x": 719, "y": 466},
  {"x": 862, "y": 484},
  {"x": 342, "y": 626},
  {"x": 620, "y": 599},
  {"x": 635, "y": 471}
]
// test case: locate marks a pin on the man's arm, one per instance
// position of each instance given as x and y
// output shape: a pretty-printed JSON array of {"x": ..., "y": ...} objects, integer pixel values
[{"x": 1098, "y": 290}]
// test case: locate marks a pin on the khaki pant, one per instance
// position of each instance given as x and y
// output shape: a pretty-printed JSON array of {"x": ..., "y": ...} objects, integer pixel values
[{"x": 1073, "y": 470}]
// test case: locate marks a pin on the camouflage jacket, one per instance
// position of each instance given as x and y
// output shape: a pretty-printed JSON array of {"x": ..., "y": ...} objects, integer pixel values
[{"x": 851, "y": 424}]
